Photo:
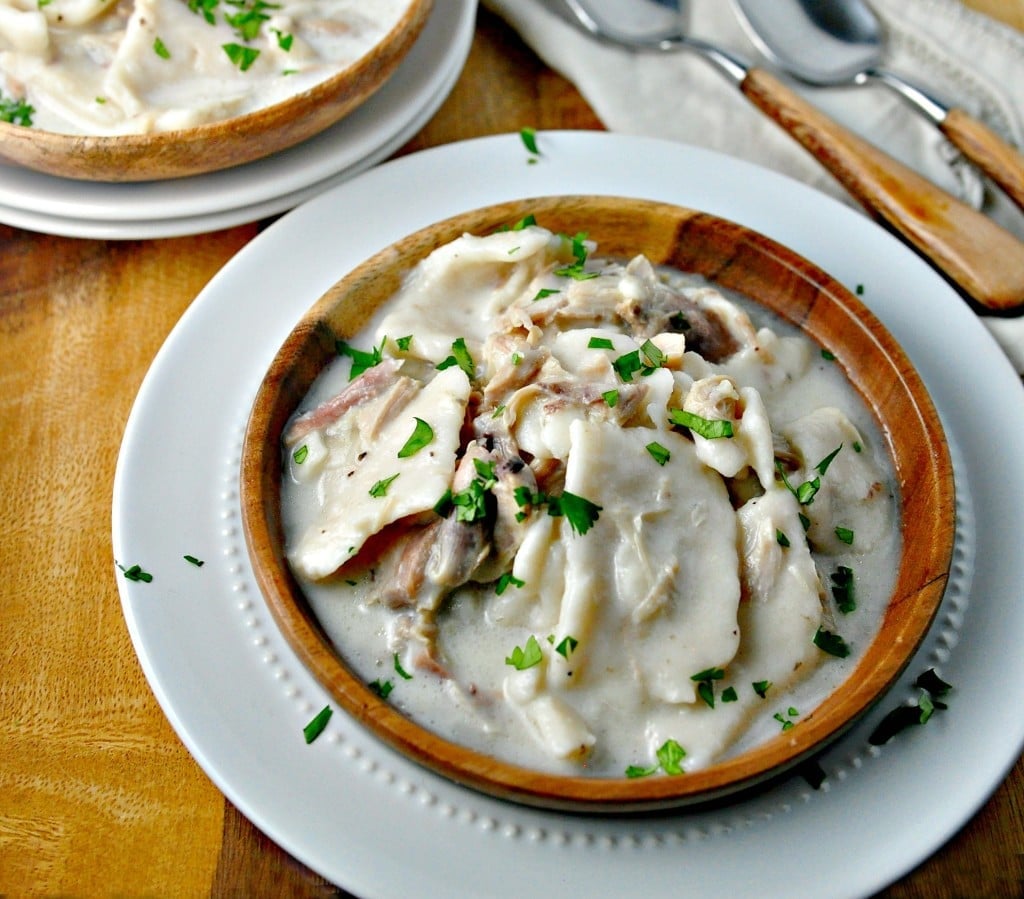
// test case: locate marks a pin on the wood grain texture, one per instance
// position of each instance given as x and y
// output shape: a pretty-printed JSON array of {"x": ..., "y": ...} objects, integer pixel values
[
  {"x": 996, "y": 158},
  {"x": 79, "y": 324}
]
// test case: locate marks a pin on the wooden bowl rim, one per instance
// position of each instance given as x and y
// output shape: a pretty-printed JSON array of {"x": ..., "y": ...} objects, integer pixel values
[
  {"x": 926, "y": 493},
  {"x": 245, "y": 138}
]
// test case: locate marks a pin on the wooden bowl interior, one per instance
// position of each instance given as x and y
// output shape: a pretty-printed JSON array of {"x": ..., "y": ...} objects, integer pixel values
[
  {"x": 735, "y": 258},
  {"x": 217, "y": 145}
]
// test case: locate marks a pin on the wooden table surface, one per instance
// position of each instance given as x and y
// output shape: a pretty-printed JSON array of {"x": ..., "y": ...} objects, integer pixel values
[{"x": 98, "y": 797}]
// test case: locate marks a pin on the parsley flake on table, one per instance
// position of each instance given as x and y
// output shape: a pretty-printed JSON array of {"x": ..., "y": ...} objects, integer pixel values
[
  {"x": 316, "y": 727},
  {"x": 192, "y": 560},
  {"x": 421, "y": 436},
  {"x": 526, "y": 656}
]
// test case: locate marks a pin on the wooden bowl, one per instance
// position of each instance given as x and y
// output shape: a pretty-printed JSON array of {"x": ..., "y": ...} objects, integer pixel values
[
  {"x": 222, "y": 144},
  {"x": 735, "y": 258}
]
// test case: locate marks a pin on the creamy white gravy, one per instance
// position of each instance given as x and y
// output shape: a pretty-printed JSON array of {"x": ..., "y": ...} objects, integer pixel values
[
  {"x": 683, "y": 572},
  {"x": 110, "y": 67}
]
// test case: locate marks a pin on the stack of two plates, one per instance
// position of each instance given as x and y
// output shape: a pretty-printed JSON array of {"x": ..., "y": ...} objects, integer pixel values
[{"x": 255, "y": 190}]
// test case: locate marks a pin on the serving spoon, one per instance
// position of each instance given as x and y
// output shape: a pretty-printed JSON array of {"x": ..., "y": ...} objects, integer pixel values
[
  {"x": 837, "y": 42},
  {"x": 977, "y": 256}
]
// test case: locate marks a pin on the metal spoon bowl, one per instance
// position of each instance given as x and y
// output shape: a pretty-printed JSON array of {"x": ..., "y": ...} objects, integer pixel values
[
  {"x": 836, "y": 42},
  {"x": 985, "y": 262}
]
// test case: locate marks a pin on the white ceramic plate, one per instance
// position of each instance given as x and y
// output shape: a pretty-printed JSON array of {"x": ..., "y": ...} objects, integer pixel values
[
  {"x": 267, "y": 186},
  {"x": 379, "y": 826}
]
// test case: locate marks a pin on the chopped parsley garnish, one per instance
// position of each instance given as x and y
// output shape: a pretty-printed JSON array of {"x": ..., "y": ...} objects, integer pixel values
[
  {"x": 316, "y": 727},
  {"x": 611, "y": 397},
  {"x": 284, "y": 40},
  {"x": 461, "y": 357},
  {"x": 382, "y": 688},
  {"x": 786, "y": 722},
  {"x": 507, "y": 580},
  {"x": 670, "y": 757},
  {"x": 653, "y": 357},
  {"x": 659, "y": 453},
  {"x": 761, "y": 687},
  {"x": 361, "y": 360},
  {"x": 729, "y": 694},
  {"x": 250, "y": 17},
  {"x": 194, "y": 561},
  {"x": 645, "y": 360},
  {"x": 300, "y": 455},
  {"x": 204, "y": 8},
  {"x": 708, "y": 428},
  {"x": 904, "y": 716},
  {"x": 403, "y": 343},
  {"x": 600, "y": 343},
  {"x": 828, "y": 355},
  {"x": 627, "y": 365},
  {"x": 15, "y": 112},
  {"x": 859, "y": 290},
  {"x": 421, "y": 436},
  {"x": 781, "y": 539},
  {"x": 567, "y": 646},
  {"x": 399, "y": 670},
  {"x": 842, "y": 589},
  {"x": 381, "y": 487},
  {"x": 857, "y": 448},
  {"x": 577, "y": 271},
  {"x": 705, "y": 684},
  {"x": 806, "y": 492},
  {"x": 581, "y": 513},
  {"x": 844, "y": 535},
  {"x": 527, "y": 221},
  {"x": 823, "y": 465},
  {"x": 240, "y": 55},
  {"x": 831, "y": 643},
  {"x": 529, "y": 138},
  {"x": 470, "y": 504},
  {"x": 160, "y": 49},
  {"x": 136, "y": 573},
  {"x": 527, "y": 656},
  {"x": 544, "y": 293}
]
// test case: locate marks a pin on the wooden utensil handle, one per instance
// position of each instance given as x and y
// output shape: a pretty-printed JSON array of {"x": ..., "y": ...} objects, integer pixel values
[
  {"x": 1003, "y": 163},
  {"x": 985, "y": 261}
]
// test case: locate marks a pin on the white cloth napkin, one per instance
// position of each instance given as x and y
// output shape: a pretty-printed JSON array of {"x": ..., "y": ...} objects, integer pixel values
[{"x": 961, "y": 56}]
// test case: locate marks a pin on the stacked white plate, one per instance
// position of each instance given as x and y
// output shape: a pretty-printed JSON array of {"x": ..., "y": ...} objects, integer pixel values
[{"x": 391, "y": 117}]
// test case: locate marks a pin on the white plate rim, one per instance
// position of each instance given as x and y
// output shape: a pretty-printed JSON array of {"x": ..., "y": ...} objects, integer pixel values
[{"x": 497, "y": 840}]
